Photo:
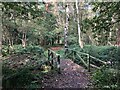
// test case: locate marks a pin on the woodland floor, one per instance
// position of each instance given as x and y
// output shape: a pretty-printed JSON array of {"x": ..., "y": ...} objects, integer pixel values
[{"x": 72, "y": 76}]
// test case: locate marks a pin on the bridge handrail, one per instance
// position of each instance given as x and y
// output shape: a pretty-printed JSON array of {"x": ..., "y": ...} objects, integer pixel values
[
  {"x": 90, "y": 56},
  {"x": 53, "y": 55},
  {"x": 54, "y": 52},
  {"x": 88, "y": 64}
]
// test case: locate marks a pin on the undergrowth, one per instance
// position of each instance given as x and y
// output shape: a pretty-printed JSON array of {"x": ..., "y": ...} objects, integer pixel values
[
  {"x": 108, "y": 75},
  {"x": 30, "y": 74}
]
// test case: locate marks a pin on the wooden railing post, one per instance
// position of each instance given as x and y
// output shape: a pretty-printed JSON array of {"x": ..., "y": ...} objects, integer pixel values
[
  {"x": 88, "y": 62},
  {"x": 52, "y": 60},
  {"x": 58, "y": 66},
  {"x": 58, "y": 39},
  {"x": 48, "y": 54},
  {"x": 74, "y": 53}
]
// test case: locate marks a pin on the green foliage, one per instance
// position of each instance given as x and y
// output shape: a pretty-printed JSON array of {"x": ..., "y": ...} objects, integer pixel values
[
  {"x": 16, "y": 79},
  {"x": 39, "y": 31},
  {"x": 18, "y": 49},
  {"x": 105, "y": 53},
  {"x": 29, "y": 77},
  {"x": 106, "y": 78},
  {"x": 43, "y": 29},
  {"x": 24, "y": 77},
  {"x": 23, "y": 8},
  {"x": 72, "y": 39},
  {"x": 4, "y": 50},
  {"x": 104, "y": 21},
  {"x": 61, "y": 52}
]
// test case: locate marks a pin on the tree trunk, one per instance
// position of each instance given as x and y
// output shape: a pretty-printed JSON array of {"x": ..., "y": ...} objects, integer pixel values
[
  {"x": 89, "y": 34},
  {"x": 24, "y": 39},
  {"x": 1, "y": 29},
  {"x": 78, "y": 24},
  {"x": 109, "y": 38},
  {"x": 66, "y": 28},
  {"x": 118, "y": 37},
  {"x": 10, "y": 46},
  {"x": 58, "y": 39}
]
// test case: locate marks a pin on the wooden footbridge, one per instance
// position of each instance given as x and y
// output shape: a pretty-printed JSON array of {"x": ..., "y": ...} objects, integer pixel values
[
  {"x": 55, "y": 58},
  {"x": 70, "y": 74}
]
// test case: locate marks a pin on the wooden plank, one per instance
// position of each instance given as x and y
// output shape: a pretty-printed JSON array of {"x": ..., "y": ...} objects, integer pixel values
[
  {"x": 98, "y": 59},
  {"x": 48, "y": 54},
  {"x": 79, "y": 52},
  {"x": 58, "y": 66},
  {"x": 94, "y": 66},
  {"x": 52, "y": 60},
  {"x": 54, "y": 52},
  {"x": 88, "y": 62},
  {"x": 82, "y": 61},
  {"x": 90, "y": 56}
]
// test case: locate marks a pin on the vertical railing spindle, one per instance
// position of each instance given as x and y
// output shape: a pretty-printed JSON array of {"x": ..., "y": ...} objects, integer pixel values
[
  {"x": 58, "y": 66},
  {"x": 88, "y": 62},
  {"x": 48, "y": 55},
  {"x": 52, "y": 59}
]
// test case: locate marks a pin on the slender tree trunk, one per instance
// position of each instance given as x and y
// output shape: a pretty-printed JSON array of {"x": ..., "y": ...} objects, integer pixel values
[
  {"x": 74, "y": 10},
  {"x": 24, "y": 39},
  {"x": 78, "y": 24},
  {"x": 58, "y": 39},
  {"x": 89, "y": 34},
  {"x": 10, "y": 47},
  {"x": 118, "y": 37},
  {"x": 109, "y": 38},
  {"x": 24, "y": 31},
  {"x": 1, "y": 29},
  {"x": 66, "y": 28}
]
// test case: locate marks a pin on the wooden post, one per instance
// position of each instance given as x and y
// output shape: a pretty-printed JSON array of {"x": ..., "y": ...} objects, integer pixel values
[
  {"x": 49, "y": 57},
  {"x": 48, "y": 54},
  {"x": 58, "y": 39},
  {"x": 74, "y": 53},
  {"x": 58, "y": 66},
  {"x": 88, "y": 62},
  {"x": 52, "y": 60},
  {"x": 52, "y": 41}
]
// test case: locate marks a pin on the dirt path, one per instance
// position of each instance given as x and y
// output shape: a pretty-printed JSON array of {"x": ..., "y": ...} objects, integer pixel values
[{"x": 72, "y": 76}]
